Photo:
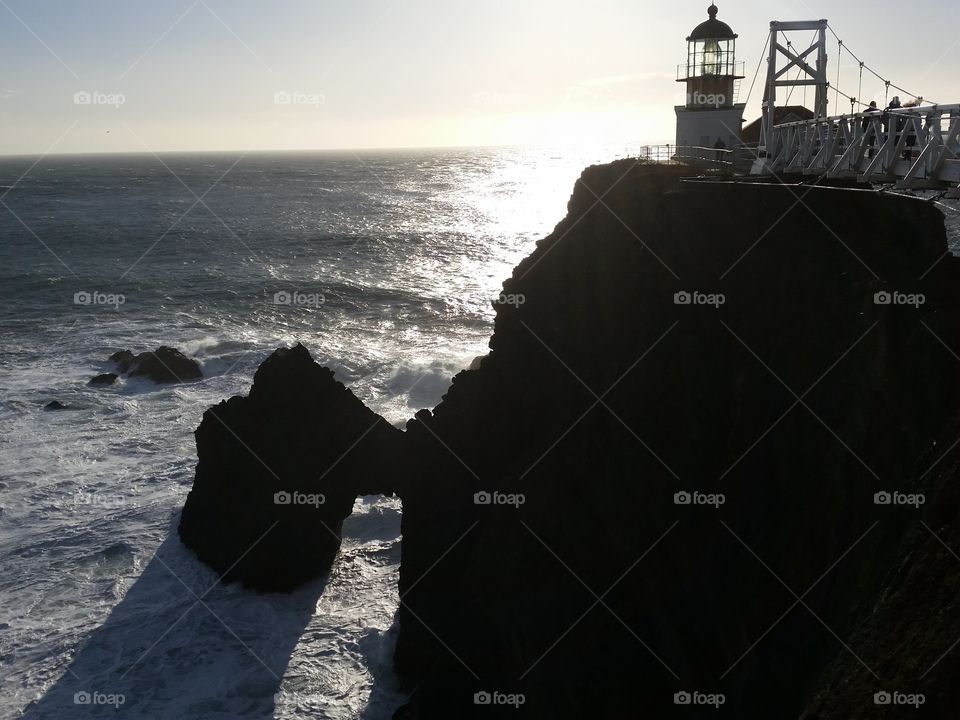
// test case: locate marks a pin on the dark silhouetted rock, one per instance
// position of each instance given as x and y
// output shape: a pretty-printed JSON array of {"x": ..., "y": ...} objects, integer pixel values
[
  {"x": 123, "y": 359},
  {"x": 104, "y": 379},
  {"x": 279, "y": 470},
  {"x": 602, "y": 594},
  {"x": 165, "y": 365},
  {"x": 55, "y": 405},
  {"x": 903, "y": 629}
]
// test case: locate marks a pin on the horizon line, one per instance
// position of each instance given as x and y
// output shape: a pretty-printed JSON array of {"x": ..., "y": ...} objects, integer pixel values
[{"x": 370, "y": 148}]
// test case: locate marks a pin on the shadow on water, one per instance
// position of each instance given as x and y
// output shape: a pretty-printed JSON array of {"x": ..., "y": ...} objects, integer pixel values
[{"x": 172, "y": 655}]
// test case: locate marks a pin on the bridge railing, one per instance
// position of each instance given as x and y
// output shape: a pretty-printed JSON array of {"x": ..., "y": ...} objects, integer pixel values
[{"x": 913, "y": 147}]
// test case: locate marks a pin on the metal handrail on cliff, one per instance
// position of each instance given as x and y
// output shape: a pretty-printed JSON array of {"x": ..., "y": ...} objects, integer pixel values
[{"x": 738, "y": 159}]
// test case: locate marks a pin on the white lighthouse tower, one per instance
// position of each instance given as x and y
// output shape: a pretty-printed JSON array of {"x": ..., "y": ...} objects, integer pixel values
[{"x": 710, "y": 118}]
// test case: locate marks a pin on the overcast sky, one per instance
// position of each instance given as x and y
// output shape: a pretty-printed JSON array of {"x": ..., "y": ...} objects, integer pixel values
[{"x": 127, "y": 75}]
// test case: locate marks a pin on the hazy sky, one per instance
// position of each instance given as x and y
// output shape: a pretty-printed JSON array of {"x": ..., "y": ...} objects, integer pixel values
[{"x": 205, "y": 75}]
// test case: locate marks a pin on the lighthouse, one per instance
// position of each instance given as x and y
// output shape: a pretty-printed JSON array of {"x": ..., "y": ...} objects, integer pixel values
[{"x": 710, "y": 118}]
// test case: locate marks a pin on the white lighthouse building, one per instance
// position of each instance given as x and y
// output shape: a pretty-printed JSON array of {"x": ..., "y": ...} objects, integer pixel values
[{"x": 710, "y": 118}]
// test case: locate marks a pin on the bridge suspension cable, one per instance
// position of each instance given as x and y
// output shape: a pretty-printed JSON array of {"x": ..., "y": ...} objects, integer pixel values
[
  {"x": 839, "y": 64},
  {"x": 763, "y": 54},
  {"x": 863, "y": 66},
  {"x": 859, "y": 87}
]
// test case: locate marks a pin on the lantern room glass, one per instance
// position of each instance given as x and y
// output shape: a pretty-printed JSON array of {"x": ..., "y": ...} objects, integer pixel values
[{"x": 711, "y": 57}]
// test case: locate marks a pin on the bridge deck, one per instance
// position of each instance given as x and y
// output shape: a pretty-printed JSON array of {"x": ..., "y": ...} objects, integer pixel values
[{"x": 914, "y": 148}]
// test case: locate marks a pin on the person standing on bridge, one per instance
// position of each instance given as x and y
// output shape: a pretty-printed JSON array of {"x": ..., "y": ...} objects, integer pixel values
[
  {"x": 894, "y": 105},
  {"x": 867, "y": 122}
]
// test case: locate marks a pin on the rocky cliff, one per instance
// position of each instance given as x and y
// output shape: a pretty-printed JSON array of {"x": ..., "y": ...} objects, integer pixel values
[
  {"x": 728, "y": 342},
  {"x": 709, "y": 458}
]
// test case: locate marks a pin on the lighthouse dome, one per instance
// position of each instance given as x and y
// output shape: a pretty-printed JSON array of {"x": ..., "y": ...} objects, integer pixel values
[{"x": 712, "y": 29}]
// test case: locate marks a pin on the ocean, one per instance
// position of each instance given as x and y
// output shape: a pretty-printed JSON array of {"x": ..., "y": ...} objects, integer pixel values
[{"x": 383, "y": 264}]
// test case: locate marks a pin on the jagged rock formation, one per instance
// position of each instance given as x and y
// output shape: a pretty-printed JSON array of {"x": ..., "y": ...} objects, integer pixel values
[{"x": 278, "y": 472}]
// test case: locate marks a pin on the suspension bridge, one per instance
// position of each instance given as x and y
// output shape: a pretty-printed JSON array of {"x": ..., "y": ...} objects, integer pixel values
[{"x": 910, "y": 146}]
